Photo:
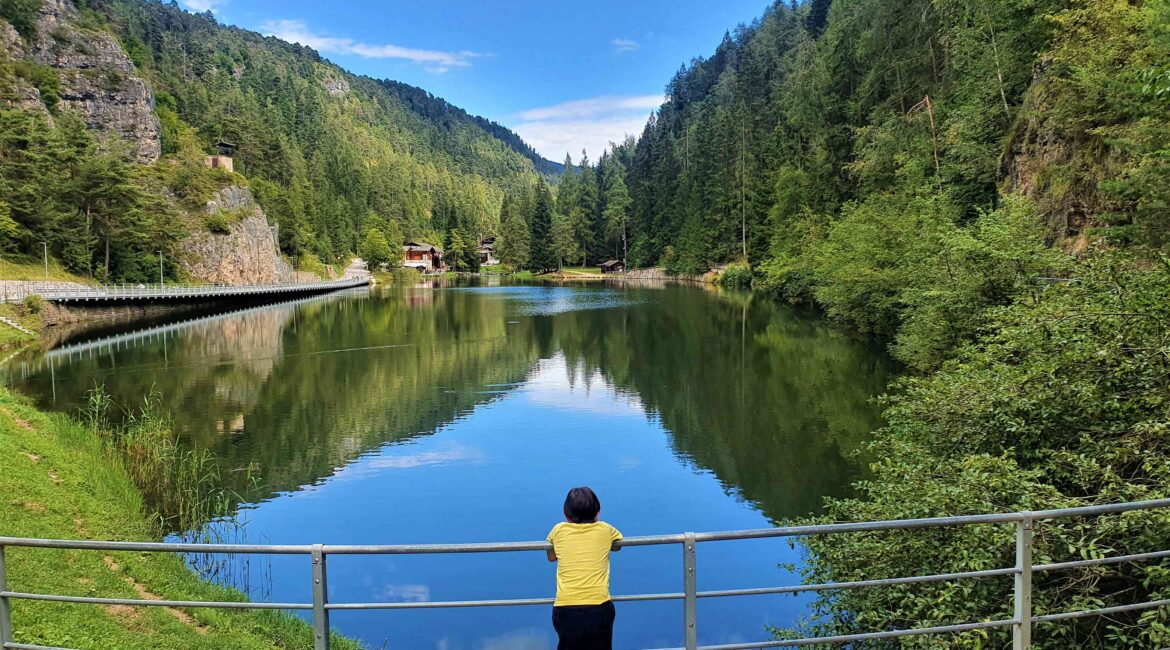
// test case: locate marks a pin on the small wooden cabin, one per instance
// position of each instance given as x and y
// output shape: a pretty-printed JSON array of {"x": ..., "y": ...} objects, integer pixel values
[
  {"x": 613, "y": 266},
  {"x": 423, "y": 256}
]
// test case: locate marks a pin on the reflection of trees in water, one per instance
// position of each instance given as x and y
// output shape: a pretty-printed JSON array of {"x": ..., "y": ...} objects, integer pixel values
[{"x": 770, "y": 401}]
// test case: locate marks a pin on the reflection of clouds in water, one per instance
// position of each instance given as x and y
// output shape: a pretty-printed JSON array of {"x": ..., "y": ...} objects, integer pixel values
[
  {"x": 386, "y": 458},
  {"x": 554, "y": 385},
  {"x": 456, "y": 454},
  {"x": 405, "y": 593},
  {"x": 628, "y": 462},
  {"x": 525, "y": 639},
  {"x": 545, "y": 301}
]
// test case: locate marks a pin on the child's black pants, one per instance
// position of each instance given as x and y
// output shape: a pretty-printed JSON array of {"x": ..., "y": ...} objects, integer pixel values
[{"x": 584, "y": 627}]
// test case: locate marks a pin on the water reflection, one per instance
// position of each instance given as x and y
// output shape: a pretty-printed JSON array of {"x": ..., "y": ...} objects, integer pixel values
[{"x": 446, "y": 414}]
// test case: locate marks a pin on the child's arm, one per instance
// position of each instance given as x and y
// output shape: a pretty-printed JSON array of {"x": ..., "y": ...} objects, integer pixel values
[{"x": 551, "y": 555}]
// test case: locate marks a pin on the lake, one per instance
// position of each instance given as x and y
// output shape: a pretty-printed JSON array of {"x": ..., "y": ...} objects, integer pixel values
[{"x": 454, "y": 412}]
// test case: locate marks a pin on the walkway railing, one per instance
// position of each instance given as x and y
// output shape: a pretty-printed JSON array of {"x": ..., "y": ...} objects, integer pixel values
[
  {"x": 1021, "y": 622},
  {"x": 122, "y": 292}
]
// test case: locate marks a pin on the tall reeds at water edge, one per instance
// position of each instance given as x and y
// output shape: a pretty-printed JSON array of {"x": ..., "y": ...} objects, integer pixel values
[{"x": 181, "y": 487}]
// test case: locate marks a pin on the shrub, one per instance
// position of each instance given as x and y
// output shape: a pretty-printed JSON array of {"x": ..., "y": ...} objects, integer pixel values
[
  {"x": 34, "y": 304},
  {"x": 22, "y": 14},
  {"x": 736, "y": 276},
  {"x": 219, "y": 223},
  {"x": 44, "y": 78}
]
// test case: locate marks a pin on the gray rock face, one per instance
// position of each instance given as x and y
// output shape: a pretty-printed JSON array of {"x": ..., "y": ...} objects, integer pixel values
[
  {"x": 97, "y": 78},
  {"x": 335, "y": 87},
  {"x": 245, "y": 255}
]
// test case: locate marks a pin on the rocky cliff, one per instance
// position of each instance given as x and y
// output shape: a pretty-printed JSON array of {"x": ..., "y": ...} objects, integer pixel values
[
  {"x": 97, "y": 79},
  {"x": 245, "y": 254}
]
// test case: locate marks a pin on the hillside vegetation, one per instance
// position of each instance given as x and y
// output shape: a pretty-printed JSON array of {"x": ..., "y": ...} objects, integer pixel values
[
  {"x": 329, "y": 155},
  {"x": 60, "y": 481},
  {"x": 982, "y": 185}
]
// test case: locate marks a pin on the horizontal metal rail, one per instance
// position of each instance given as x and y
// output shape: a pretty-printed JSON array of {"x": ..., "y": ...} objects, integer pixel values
[
  {"x": 1021, "y": 623},
  {"x": 136, "y": 292}
]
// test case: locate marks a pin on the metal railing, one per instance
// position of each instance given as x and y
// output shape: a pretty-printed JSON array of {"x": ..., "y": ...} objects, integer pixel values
[
  {"x": 127, "y": 291},
  {"x": 1021, "y": 622}
]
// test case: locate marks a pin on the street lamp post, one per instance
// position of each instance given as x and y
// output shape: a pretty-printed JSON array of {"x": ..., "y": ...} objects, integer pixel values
[
  {"x": 45, "y": 245},
  {"x": 160, "y": 269}
]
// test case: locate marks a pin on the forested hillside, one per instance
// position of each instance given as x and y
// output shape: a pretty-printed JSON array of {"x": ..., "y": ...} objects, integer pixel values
[
  {"x": 983, "y": 184},
  {"x": 328, "y": 154}
]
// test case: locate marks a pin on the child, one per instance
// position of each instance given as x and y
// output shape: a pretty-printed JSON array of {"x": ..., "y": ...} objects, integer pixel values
[{"x": 583, "y": 613}]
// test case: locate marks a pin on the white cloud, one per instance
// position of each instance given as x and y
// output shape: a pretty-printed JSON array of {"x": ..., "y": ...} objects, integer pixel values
[
  {"x": 296, "y": 31},
  {"x": 621, "y": 45},
  {"x": 595, "y": 106},
  {"x": 200, "y": 6},
  {"x": 589, "y": 124}
]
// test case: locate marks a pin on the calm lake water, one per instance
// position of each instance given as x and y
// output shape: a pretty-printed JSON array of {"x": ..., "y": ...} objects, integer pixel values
[{"x": 445, "y": 414}]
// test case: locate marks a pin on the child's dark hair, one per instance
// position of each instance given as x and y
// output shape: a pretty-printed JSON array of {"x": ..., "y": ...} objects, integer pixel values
[{"x": 582, "y": 505}]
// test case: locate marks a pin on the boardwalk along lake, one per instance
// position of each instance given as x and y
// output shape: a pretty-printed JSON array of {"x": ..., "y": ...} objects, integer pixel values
[{"x": 449, "y": 413}]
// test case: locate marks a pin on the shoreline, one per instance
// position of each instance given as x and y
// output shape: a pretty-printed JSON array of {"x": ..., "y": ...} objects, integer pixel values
[{"x": 64, "y": 482}]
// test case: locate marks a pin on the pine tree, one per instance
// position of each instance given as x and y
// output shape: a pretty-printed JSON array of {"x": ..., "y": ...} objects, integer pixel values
[
  {"x": 617, "y": 204},
  {"x": 512, "y": 246},
  {"x": 456, "y": 250},
  {"x": 541, "y": 255},
  {"x": 564, "y": 241}
]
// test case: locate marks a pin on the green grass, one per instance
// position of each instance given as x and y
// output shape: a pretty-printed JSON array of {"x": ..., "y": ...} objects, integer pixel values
[
  {"x": 57, "y": 480},
  {"x": 27, "y": 269},
  {"x": 310, "y": 263},
  {"x": 12, "y": 338},
  {"x": 583, "y": 270}
]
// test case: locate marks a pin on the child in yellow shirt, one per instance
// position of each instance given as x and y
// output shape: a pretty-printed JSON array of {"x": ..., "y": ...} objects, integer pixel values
[{"x": 583, "y": 612}]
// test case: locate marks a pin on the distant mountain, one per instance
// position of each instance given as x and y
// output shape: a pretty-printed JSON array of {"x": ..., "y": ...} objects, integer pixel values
[
  {"x": 326, "y": 153},
  {"x": 435, "y": 108}
]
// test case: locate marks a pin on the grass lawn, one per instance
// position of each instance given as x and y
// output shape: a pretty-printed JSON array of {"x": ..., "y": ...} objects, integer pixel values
[
  {"x": 27, "y": 269},
  {"x": 11, "y": 338},
  {"x": 57, "y": 480},
  {"x": 582, "y": 270}
]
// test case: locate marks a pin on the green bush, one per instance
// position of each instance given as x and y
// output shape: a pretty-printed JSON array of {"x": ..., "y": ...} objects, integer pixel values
[
  {"x": 736, "y": 276},
  {"x": 34, "y": 304},
  {"x": 220, "y": 223},
  {"x": 42, "y": 77},
  {"x": 22, "y": 14},
  {"x": 1062, "y": 402}
]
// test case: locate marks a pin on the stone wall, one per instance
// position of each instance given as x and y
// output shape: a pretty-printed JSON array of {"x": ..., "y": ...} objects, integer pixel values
[{"x": 245, "y": 255}]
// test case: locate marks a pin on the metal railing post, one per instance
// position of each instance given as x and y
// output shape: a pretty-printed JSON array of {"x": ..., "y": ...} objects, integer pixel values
[
  {"x": 5, "y": 605},
  {"x": 690, "y": 589},
  {"x": 1022, "y": 631},
  {"x": 320, "y": 597}
]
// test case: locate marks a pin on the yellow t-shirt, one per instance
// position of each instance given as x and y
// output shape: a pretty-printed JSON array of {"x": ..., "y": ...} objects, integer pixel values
[{"x": 582, "y": 562}]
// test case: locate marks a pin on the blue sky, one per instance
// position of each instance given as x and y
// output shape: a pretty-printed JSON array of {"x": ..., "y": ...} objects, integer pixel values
[{"x": 564, "y": 75}]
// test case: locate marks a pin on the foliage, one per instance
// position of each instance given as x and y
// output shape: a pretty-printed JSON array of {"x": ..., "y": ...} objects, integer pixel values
[
  {"x": 42, "y": 77},
  {"x": 33, "y": 303},
  {"x": 564, "y": 241},
  {"x": 99, "y": 214},
  {"x": 375, "y": 250},
  {"x": 22, "y": 15},
  {"x": 737, "y": 275},
  {"x": 512, "y": 246},
  {"x": 219, "y": 223},
  {"x": 541, "y": 255},
  {"x": 322, "y": 148},
  {"x": 1064, "y": 404},
  {"x": 72, "y": 485}
]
